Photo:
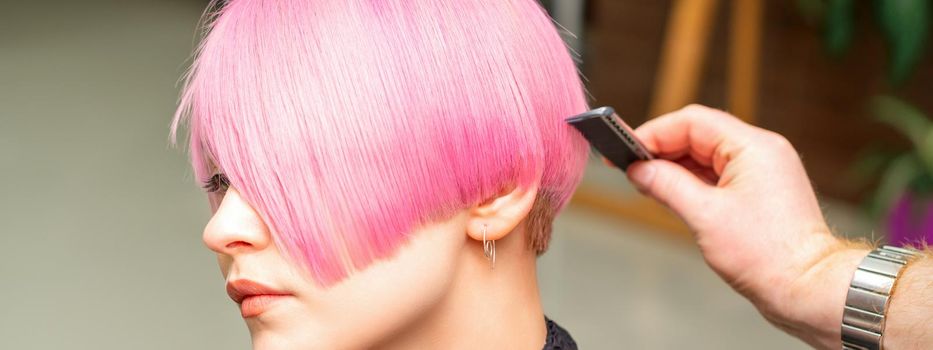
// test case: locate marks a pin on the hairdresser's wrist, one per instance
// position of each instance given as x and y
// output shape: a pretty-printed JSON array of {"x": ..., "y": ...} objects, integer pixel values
[
  {"x": 910, "y": 310},
  {"x": 810, "y": 308}
]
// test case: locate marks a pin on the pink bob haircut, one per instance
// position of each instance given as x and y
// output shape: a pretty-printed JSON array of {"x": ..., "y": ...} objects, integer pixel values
[{"x": 348, "y": 123}]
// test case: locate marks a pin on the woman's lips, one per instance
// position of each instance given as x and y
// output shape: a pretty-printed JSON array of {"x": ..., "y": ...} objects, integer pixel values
[
  {"x": 254, "y": 305},
  {"x": 253, "y": 297}
]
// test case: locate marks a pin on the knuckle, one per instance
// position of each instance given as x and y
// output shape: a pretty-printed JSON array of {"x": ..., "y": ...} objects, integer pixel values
[
  {"x": 777, "y": 143},
  {"x": 695, "y": 108},
  {"x": 705, "y": 113},
  {"x": 777, "y": 140}
]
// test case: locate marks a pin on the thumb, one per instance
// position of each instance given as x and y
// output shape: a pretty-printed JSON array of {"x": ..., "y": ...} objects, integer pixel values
[{"x": 671, "y": 184}]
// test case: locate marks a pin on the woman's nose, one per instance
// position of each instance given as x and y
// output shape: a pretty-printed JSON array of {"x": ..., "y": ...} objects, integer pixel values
[{"x": 235, "y": 227}]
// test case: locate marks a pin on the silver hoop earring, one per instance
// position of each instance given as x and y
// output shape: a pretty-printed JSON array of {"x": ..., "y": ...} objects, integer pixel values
[{"x": 489, "y": 248}]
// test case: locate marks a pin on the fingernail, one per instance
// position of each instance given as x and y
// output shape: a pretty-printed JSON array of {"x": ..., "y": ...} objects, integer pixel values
[{"x": 641, "y": 175}]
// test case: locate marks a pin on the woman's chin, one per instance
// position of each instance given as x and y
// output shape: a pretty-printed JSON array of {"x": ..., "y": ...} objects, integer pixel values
[
  {"x": 267, "y": 337},
  {"x": 268, "y": 341}
]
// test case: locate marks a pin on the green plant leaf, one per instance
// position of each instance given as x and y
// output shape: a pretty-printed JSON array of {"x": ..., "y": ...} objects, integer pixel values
[
  {"x": 895, "y": 180},
  {"x": 926, "y": 152},
  {"x": 839, "y": 26},
  {"x": 869, "y": 165},
  {"x": 922, "y": 185},
  {"x": 910, "y": 121},
  {"x": 902, "y": 117},
  {"x": 905, "y": 24}
]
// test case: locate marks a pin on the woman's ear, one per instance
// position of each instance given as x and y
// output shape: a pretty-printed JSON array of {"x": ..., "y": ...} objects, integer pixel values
[{"x": 500, "y": 215}]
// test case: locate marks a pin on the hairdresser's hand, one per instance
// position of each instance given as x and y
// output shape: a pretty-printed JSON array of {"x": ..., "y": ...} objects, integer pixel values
[{"x": 745, "y": 194}]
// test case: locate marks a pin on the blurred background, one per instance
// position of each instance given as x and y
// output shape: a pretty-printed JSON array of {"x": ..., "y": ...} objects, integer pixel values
[{"x": 100, "y": 219}]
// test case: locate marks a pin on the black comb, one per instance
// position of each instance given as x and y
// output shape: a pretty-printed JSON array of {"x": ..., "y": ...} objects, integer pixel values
[{"x": 611, "y": 136}]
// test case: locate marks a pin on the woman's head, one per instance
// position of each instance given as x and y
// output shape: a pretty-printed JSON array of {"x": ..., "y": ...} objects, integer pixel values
[{"x": 347, "y": 126}]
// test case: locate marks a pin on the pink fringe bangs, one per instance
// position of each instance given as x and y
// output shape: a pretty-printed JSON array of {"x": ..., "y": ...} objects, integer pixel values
[{"x": 346, "y": 124}]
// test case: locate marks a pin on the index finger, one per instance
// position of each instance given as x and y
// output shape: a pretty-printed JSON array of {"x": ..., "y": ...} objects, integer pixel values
[{"x": 710, "y": 136}]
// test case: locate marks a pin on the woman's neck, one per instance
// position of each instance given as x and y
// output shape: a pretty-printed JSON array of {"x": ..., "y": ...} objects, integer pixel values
[{"x": 494, "y": 308}]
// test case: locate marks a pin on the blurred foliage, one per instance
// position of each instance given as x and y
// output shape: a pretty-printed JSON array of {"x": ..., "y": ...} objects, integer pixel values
[
  {"x": 839, "y": 26},
  {"x": 904, "y": 171},
  {"x": 904, "y": 24}
]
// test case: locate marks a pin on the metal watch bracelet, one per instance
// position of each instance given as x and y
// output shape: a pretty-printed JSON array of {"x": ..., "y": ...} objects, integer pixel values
[{"x": 867, "y": 301}]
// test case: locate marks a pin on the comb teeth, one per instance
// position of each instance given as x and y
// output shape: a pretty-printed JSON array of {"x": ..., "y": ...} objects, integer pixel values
[
  {"x": 610, "y": 136},
  {"x": 612, "y": 121}
]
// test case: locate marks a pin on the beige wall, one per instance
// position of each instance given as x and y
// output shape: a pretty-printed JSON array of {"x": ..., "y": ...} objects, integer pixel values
[{"x": 99, "y": 221}]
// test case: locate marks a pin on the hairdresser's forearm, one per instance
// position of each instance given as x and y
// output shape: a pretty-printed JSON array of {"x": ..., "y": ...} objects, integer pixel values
[
  {"x": 909, "y": 322},
  {"x": 812, "y": 310}
]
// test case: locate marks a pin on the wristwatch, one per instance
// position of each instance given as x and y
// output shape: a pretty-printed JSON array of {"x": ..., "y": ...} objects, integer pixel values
[{"x": 867, "y": 300}]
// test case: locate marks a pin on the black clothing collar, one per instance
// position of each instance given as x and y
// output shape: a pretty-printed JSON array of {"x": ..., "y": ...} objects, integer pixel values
[{"x": 557, "y": 337}]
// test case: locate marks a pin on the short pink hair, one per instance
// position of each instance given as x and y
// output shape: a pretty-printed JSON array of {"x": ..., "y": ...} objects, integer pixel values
[{"x": 346, "y": 124}]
